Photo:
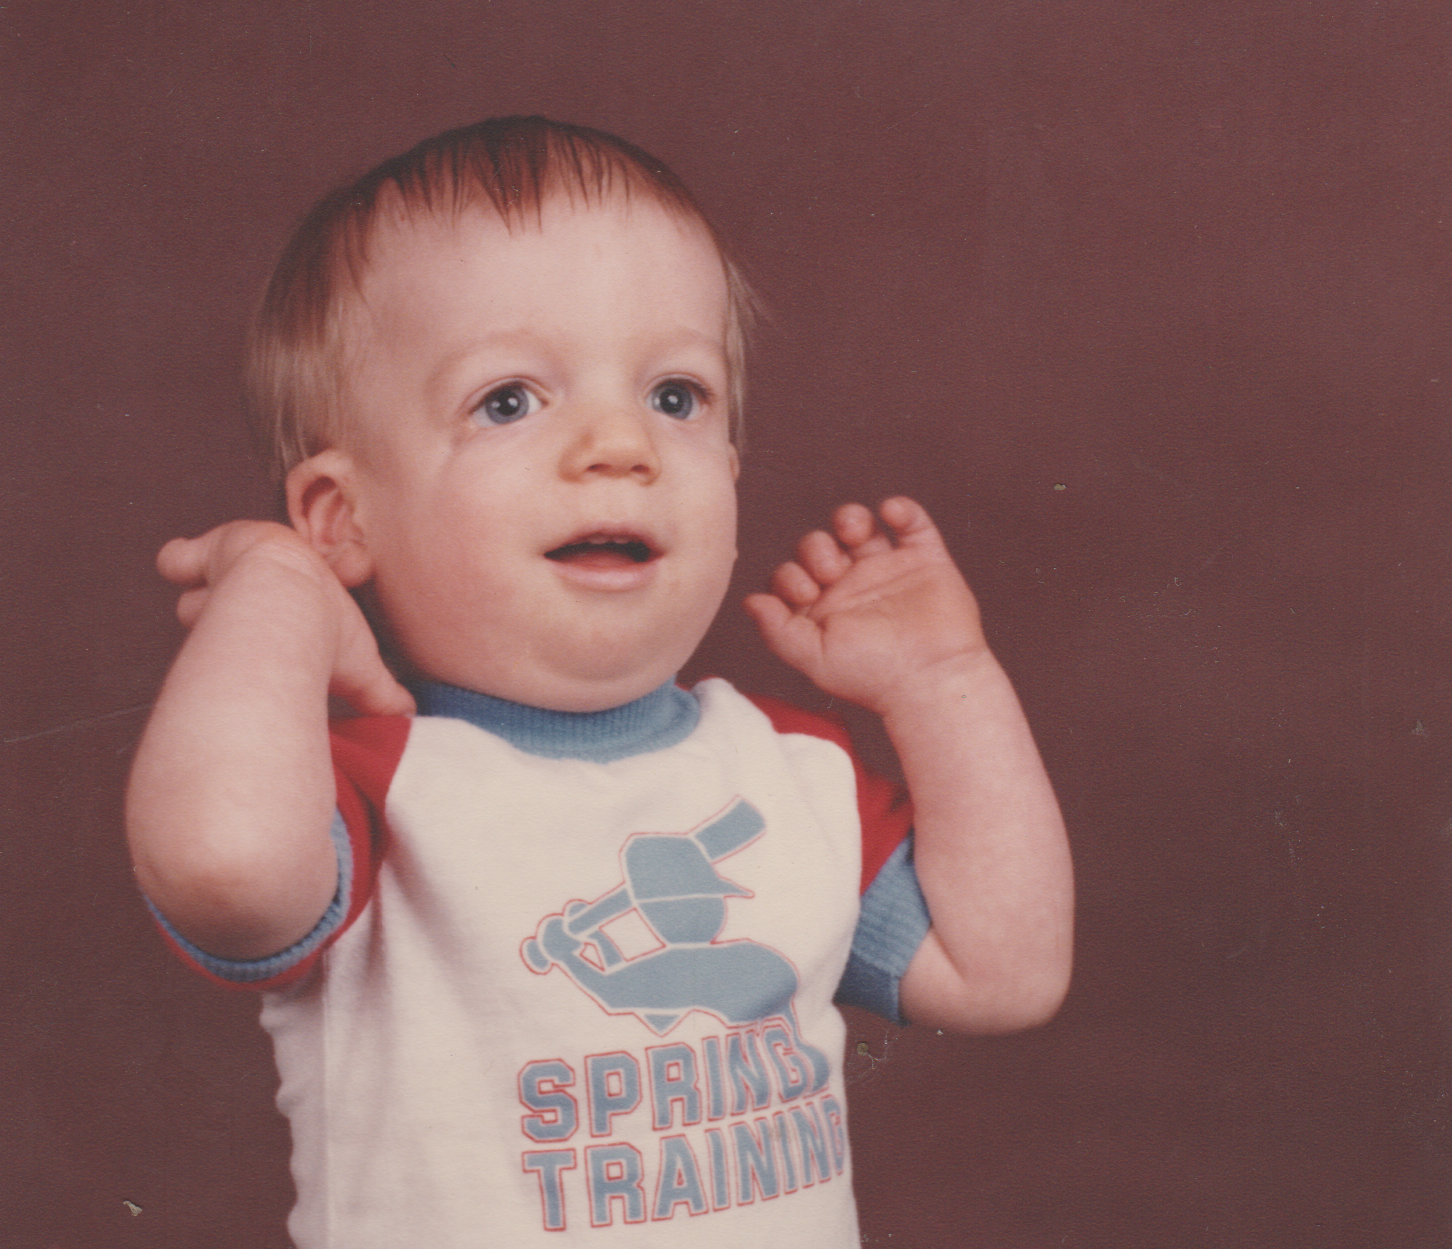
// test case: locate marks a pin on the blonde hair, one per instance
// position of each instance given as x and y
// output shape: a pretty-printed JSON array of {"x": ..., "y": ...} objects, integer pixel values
[{"x": 297, "y": 351}]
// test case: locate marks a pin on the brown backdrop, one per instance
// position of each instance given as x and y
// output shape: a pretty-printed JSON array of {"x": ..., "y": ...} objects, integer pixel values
[{"x": 1149, "y": 304}]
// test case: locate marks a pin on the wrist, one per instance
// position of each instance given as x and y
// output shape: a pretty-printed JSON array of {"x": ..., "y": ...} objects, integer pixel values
[
  {"x": 963, "y": 679},
  {"x": 275, "y": 608},
  {"x": 282, "y": 565}
]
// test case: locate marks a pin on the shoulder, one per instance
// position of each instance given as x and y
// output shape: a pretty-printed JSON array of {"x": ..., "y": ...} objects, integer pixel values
[{"x": 825, "y": 757}]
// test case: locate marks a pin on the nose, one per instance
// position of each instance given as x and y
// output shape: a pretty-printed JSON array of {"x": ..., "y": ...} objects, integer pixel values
[{"x": 612, "y": 440}]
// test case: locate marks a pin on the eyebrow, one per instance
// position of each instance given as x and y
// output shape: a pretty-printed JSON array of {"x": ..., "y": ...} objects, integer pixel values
[
  {"x": 527, "y": 340},
  {"x": 499, "y": 340}
]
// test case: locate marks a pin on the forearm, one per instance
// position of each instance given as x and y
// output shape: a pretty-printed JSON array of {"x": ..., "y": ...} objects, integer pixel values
[
  {"x": 990, "y": 851},
  {"x": 882, "y": 616},
  {"x": 231, "y": 794}
]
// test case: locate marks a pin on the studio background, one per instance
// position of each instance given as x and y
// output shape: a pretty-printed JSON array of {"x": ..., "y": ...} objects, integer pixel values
[{"x": 1147, "y": 302}]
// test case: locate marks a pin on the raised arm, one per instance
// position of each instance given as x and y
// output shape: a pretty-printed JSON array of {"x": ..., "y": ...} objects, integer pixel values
[
  {"x": 881, "y": 616},
  {"x": 231, "y": 795}
]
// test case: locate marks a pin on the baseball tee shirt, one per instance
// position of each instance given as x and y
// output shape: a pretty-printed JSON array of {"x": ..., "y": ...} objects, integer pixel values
[{"x": 577, "y": 982}]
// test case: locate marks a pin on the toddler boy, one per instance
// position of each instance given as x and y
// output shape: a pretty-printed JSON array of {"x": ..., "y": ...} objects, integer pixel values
[{"x": 550, "y": 944}]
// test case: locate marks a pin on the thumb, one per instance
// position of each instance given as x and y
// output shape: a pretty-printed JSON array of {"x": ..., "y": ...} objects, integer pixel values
[
  {"x": 375, "y": 692},
  {"x": 791, "y": 636},
  {"x": 363, "y": 681}
]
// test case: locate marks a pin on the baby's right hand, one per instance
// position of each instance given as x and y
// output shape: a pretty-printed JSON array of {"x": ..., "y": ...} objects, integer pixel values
[{"x": 263, "y": 567}]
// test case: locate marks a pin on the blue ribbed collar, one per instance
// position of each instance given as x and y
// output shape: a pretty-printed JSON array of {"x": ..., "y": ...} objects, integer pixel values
[{"x": 660, "y": 719}]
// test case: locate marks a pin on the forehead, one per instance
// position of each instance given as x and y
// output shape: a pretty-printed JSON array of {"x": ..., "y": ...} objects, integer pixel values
[
  {"x": 634, "y": 246},
  {"x": 449, "y": 302}
]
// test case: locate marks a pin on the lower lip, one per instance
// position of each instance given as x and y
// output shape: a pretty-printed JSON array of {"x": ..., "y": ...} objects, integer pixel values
[{"x": 606, "y": 571}]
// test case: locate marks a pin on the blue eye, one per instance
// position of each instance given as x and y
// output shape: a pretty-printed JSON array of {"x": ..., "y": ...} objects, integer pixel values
[
  {"x": 506, "y": 404},
  {"x": 677, "y": 399}
]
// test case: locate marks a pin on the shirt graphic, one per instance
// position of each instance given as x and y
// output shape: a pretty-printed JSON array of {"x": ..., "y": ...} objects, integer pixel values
[{"x": 674, "y": 891}]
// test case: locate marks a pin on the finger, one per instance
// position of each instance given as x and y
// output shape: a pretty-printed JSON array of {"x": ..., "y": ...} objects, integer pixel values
[
  {"x": 183, "y": 561},
  {"x": 857, "y": 530},
  {"x": 374, "y": 694},
  {"x": 189, "y": 605},
  {"x": 364, "y": 682},
  {"x": 360, "y": 677},
  {"x": 790, "y": 636},
  {"x": 909, "y": 521},
  {"x": 795, "y": 586},
  {"x": 768, "y": 611},
  {"x": 822, "y": 558}
]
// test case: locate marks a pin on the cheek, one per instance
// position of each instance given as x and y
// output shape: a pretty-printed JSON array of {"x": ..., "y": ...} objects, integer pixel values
[
  {"x": 453, "y": 520},
  {"x": 726, "y": 523},
  {"x": 429, "y": 555},
  {"x": 719, "y": 537}
]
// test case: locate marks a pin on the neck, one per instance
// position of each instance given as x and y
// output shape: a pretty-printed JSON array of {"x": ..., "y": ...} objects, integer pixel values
[{"x": 662, "y": 718}]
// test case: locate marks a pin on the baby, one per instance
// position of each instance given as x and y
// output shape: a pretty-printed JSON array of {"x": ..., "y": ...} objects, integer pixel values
[{"x": 549, "y": 944}]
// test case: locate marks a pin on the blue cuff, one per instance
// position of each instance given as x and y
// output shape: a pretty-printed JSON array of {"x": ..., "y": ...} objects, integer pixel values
[
  {"x": 251, "y": 971},
  {"x": 891, "y": 926}
]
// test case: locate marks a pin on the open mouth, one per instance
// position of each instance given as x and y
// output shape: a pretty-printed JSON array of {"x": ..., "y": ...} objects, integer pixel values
[{"x": 603, "y": 551}]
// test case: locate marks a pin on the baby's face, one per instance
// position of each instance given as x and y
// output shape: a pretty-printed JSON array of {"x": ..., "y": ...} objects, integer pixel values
[{"x": 543, "y": 476}]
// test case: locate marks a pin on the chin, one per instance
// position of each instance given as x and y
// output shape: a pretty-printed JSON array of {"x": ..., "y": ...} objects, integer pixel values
[
  {"x": 598, "y": 677},
  {"x": 587, "y": 695},
  {"x": 587, "y": 687},
  {"x": 594, "y": 672},
  {"x": 596, "y": 690}
]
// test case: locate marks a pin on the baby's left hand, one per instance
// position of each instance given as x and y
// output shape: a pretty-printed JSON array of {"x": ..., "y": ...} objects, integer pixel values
[{"x": 870, "y": 613}]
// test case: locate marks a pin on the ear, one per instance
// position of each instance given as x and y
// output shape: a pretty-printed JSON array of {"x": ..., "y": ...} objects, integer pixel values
[
  {"x": 735, "y": 463},
  {"x": 322, "y": 505}
]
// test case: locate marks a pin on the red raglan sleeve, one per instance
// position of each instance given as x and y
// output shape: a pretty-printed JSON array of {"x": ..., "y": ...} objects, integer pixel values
[{"x": 893, "y": 918}]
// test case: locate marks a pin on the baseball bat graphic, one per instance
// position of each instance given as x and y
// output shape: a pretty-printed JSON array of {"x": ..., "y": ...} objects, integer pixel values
[{"x": 717, "y": 838}]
